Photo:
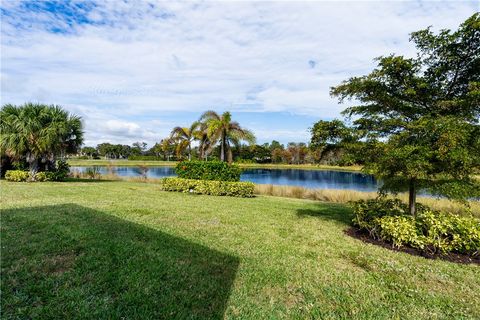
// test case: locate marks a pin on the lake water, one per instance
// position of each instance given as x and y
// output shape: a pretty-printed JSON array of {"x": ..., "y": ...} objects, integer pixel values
[{"x": 315, "y": 179}]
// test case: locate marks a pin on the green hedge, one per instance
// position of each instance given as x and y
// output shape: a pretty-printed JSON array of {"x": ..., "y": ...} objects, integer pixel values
[
  {"x": 208, "y": 170},
  {"x": 214, "y": 188},
  {"x": 431, "y": 231}
]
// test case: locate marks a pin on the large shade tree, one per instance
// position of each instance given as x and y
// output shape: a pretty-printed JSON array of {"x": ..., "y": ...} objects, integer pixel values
[
  {"x": 419, "y": 117},
  {"x": 221, "y": 129},
  {"x": 38, "y": 134}
]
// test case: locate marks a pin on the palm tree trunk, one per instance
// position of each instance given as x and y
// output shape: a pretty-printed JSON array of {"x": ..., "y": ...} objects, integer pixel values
[
  {"x": 33, "y": 166},
  {"x": 189, "y": 151},
  {"x": 222, "y": 148}
]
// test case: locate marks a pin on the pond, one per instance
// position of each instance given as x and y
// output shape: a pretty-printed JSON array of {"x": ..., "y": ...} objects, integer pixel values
[{"x": 315, "y": 179}]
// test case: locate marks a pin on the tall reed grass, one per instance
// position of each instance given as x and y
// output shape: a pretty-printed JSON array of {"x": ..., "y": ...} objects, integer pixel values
[{"x": 344, "y": 196}]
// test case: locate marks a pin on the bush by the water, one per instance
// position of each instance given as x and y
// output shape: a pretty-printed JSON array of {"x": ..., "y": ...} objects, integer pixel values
[
  {"x": 58, "y": 174},
  {"x": 208, "y": 170},
  {"x": 431, "y": 231},
  {"x": 214, "y": 188}
]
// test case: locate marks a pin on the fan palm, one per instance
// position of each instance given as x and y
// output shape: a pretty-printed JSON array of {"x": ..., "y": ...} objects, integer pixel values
[
  {"x": 184, "y": 138},
  {"x": 221, "y": 128},
  {"x": 38, "y": 133}
]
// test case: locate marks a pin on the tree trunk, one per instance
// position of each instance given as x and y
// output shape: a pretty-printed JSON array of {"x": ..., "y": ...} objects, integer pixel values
[
  {"x": 412, "y": 198},
  {"x": 189, "y": 152},
  {"x": 229, "y": 154},
  {"x": 222, "y": 149},
  {"x": 33, "y": 167}
]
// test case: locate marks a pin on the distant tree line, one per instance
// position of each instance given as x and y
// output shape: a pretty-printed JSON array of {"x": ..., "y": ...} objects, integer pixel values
[
  {"x": 193, "y": 143},
  {"x": 217, "y": 136}
]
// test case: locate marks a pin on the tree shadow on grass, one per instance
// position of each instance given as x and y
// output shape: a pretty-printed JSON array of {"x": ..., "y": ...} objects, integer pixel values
[
  {"x": 70, "y": 262},
  {"x": 329, "y": 211}
]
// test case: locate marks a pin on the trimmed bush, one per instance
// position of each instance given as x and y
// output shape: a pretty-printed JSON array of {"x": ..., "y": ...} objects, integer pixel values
[
  {"x": 431, "y": 232},
  {"x": 214, "y": 188},
  {"x": 16, "y": 175},
  {"x": 208, "y": 170}
]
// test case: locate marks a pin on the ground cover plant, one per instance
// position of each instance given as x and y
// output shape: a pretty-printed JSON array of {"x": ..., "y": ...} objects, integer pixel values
[
  {"x": 430, "y": 232},
  {"x": 94, "y": 249},
  {"x": 59, "y": 172}
]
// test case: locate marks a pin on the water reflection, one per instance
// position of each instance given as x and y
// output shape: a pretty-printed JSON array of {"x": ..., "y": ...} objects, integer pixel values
[{"x": 318, "y": 179}]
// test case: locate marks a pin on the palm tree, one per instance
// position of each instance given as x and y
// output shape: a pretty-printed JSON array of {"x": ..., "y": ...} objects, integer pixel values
[
  {"x": 205, "y": 144},
  {"x": 184, "y": 137},
  {"x": 38, "y": 133},
  {"x": 225, "y": 131}
]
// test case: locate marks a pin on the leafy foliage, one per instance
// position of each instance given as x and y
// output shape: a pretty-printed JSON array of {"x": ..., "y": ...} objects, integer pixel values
[
  {"x": 417, "y": 118},
  {"x": 184, "y": 137},
  {"x": 221, "y": 128},
  {"x": 431, "y": 232},
  {"x": 59, "y": 173},
  {"x": 208, "y": 170},
  {"x": 38, "y": 134},
  {"x": 214, "y": 188},
  {"x": 16, "y": 175}
]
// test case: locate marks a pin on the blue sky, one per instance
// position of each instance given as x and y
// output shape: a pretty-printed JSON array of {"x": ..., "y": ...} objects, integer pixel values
[{"x": 134, "y": 70}]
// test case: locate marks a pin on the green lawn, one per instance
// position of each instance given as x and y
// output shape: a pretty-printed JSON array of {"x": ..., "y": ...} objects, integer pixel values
[
  {"x": 105, "y": 250},
  {"x": 126, "y": 163}
]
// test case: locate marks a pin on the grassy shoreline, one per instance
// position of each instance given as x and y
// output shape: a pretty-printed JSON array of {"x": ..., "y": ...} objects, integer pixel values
[
  {"x": 126, "y": 163},
  {"x": 99, "y": 249}
]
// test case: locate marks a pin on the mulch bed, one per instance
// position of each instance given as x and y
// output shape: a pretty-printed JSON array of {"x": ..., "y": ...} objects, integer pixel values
[{"x": 452, "y": 257}]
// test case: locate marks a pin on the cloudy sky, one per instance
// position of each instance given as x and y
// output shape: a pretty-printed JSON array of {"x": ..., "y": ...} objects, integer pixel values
[{"x": 133, "y": 70}]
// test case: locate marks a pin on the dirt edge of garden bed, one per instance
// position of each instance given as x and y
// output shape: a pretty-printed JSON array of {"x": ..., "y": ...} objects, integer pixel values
[{"x": 451, "y": 257}]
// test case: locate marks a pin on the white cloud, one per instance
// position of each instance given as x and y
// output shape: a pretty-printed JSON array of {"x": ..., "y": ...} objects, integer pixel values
[{"x": 137, "y": 61}]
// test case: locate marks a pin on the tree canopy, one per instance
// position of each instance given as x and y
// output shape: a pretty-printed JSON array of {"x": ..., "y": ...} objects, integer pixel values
[
  {"x": 419, "y": 117},
  {"x": 38, "y": 133}
]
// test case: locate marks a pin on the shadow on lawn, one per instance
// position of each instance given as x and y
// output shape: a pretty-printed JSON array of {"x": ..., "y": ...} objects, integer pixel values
[
  {"x": 69, "y": 261},
  {"x": 329, "y": 211}
]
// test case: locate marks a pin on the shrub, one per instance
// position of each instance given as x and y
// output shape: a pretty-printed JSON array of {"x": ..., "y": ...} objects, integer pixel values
[
  {"x": 208, "y": 170},
  {"x": 431, "y": 231},
  {"x": 61, "y": 172},
  {"x": 400, "y": 231},
  {"x": 215, "y": 188},
  {"x": 367, "y": 211},
  {"x": 449, "y": 232},
  {"x": 16, "y": 175},
  {"x": 45, "y": 176}
]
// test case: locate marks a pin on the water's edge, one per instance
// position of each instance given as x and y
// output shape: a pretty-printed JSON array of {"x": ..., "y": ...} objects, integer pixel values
[{"x": 315, "y": 179}]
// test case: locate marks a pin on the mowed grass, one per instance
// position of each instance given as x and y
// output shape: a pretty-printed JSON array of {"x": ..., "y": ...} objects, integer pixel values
[{"x": 106, "y": 250}]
